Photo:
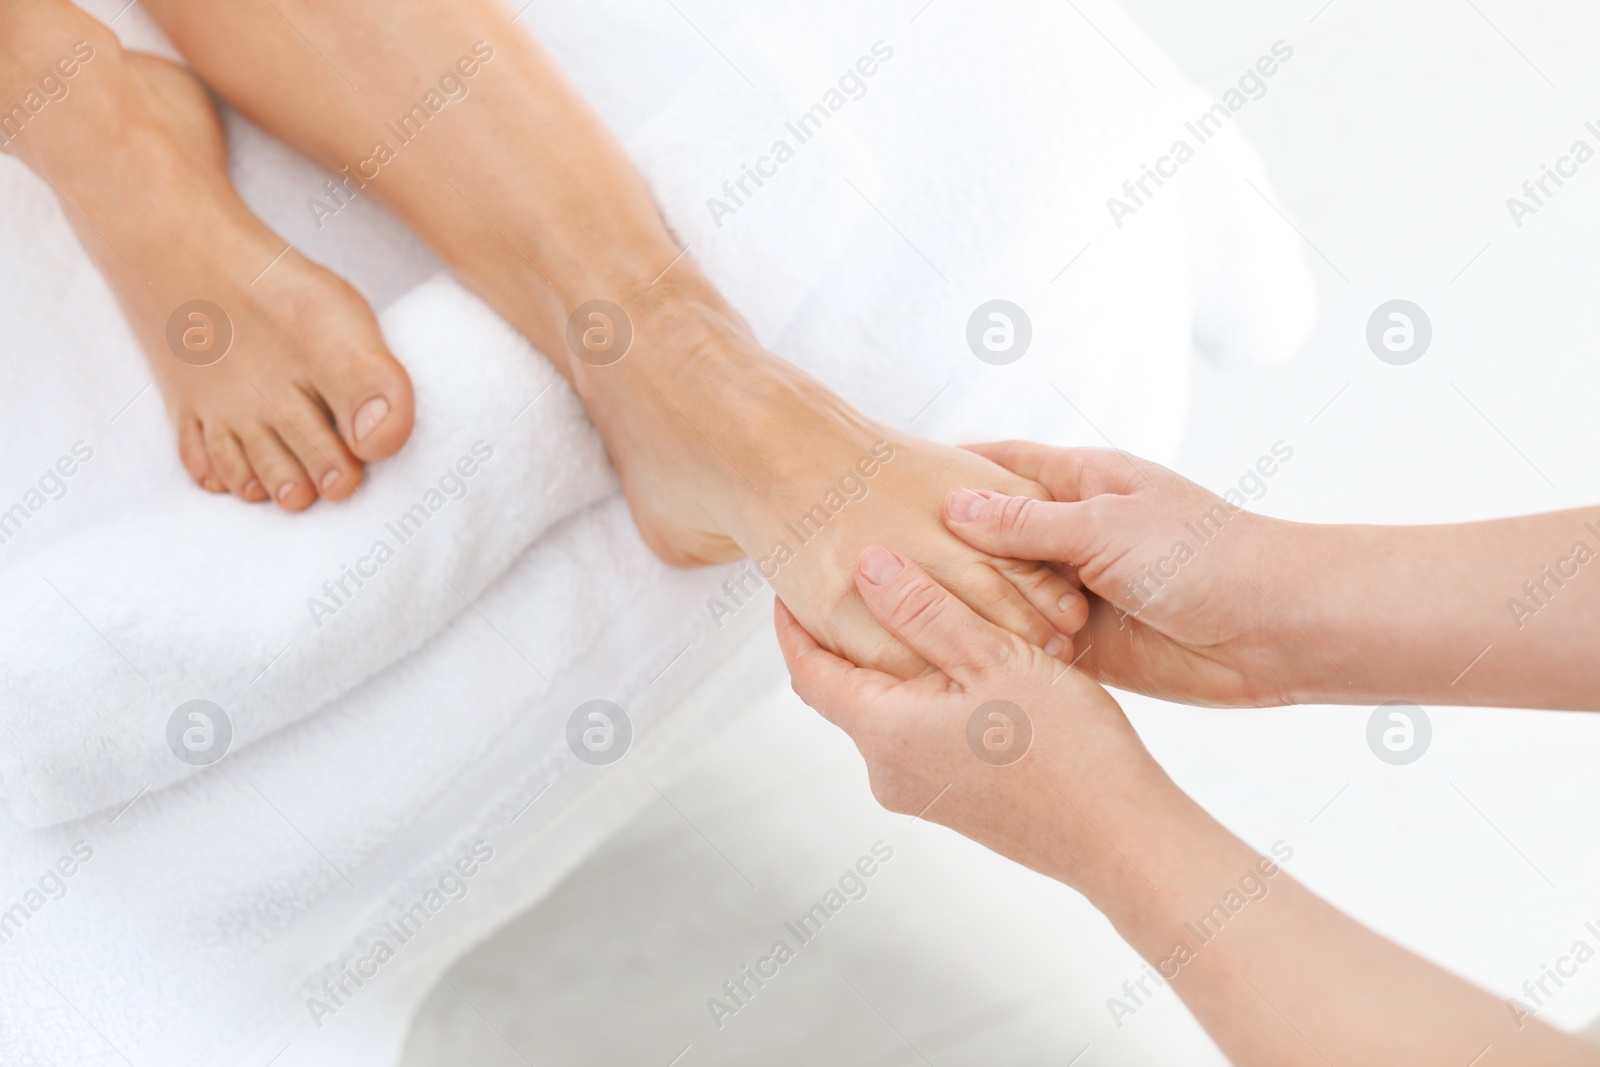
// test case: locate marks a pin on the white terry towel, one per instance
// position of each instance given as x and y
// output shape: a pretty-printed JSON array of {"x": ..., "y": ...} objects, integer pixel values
[{"x": 188, "y": 596}]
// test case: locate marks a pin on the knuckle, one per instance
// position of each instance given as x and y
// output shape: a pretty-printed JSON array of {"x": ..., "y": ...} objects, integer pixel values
[
  {"x": 1101, "y": 514},
  {"x": 1018, "y": 515},
  {"x": 921, "y": 606},
  {"x": 991, "y": 655}
]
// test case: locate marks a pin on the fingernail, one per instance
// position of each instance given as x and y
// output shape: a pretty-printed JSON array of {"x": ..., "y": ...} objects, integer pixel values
[
  {"x": 372, "y": 412},
  {"x": 251, "y": 488},
  {"x": 1054, "y": 646},
  {"x": 1068, "y": 602},
  {"x": 285, "y": 491},
  {"x": 330, "y": 480},
  {"x": 878, "y": 565},
  {"x": 964, "y": 505}
]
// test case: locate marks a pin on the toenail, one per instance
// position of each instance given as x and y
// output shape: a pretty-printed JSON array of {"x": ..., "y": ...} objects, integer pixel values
[
  {"x": 1054, "y": 646},
  {"x": 372, "y": 412},
  {"x": 285, "y": 491},
  {"x": 964, "y": 505},
  {"x": 330, "y": 480},
  {"x": 251, "y": 488},
  {"x": 878, "y": 565}
]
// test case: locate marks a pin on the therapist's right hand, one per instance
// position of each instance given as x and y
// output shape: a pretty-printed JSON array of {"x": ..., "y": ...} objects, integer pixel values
[{"x": 1182, "y": 578}]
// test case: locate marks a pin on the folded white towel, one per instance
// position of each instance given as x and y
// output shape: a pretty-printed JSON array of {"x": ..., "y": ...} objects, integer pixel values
[
  {"x": 267, "y": 615},
  {"x": 200, "y": 923}
]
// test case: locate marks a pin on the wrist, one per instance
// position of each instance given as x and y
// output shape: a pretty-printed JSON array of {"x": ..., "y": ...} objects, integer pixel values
[
  {"x": 1300, "y": 577},
  {"x": 1333, "y": 588},
  {"x": 1172, "y": 875},
  {"x": 1105, "y": 808}
]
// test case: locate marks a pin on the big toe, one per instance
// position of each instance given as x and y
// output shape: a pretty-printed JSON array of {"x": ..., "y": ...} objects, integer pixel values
[{"x": 369, "y": 394}]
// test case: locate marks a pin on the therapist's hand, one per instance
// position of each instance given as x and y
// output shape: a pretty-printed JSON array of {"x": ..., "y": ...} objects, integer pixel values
[
  {"x": 999, "y": 741},
  {"x": 1190, "y": 590},
  {"x": 1289, "y": 981}
]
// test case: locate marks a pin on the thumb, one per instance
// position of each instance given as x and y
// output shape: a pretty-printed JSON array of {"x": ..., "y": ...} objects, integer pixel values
[
  {"x": 1020, "y": 527},
  {"x": 923, "y": 614}
]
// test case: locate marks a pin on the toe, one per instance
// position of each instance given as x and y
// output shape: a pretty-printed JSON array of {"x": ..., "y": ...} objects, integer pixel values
[
  {"x": 195, "y": 457},
  {"x": 307, "y": 428},
  {"x": 279, "y": 472},
  {"x": 1051, "y": 593},
  {"x": 369, "y": 394},
  {"x": 230, "y": 463}
]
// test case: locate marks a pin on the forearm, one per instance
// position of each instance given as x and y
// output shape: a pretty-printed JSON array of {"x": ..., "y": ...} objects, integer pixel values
[
  {"x": 1279, "y": 977},
  {"x": 1499, "y": 613}
]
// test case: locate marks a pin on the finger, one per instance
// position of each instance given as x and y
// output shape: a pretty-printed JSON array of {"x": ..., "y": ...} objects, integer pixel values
[
  {"x": 931, "y": 621},
  {"x": 1020, "y": 527},
  {"x": 835, "y": 687},
  {"x": 1068, "y": 473}
]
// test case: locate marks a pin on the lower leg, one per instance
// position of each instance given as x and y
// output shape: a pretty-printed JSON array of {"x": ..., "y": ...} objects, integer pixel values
[
  {"x": 487, "y": 180},
  {"x": 134, "y": 152},
  {"x": 458, "y": 121}
]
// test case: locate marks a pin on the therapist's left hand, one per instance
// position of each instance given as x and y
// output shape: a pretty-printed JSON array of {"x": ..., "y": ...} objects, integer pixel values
[{"x": 1000, "y": 741}]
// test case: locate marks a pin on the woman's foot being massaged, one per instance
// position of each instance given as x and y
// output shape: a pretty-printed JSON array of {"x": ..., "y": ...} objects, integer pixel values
[
  {"x": 724, "y": 449},
  {"x": 305, "y": 392}
]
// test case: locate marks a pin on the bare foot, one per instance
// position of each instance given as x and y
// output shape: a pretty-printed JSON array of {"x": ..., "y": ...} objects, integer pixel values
[
  {"x": 273, "y": 369},
  {"x": 728, "y": 451}
]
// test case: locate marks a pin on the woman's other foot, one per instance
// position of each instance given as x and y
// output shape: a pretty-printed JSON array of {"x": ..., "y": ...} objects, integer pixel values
[{"x": 273, "y": 369}]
